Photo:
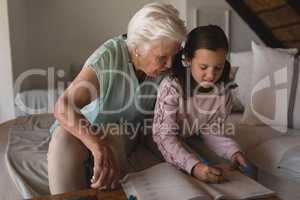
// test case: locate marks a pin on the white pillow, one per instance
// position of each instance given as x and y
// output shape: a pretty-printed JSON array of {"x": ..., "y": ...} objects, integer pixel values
[
  {"x": 270, "y": 87},
  {"x": 36, "y": 101},
  {"x": 295, "y": 116},
  {"x": 244, "y": 62}
]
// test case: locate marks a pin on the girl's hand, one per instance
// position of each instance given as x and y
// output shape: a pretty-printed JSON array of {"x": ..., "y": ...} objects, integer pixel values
[
  {"x": 238, "y": 159},
  {"x": 239, "y": 163},
  {"x": 208, "y": 174},
  {"x": 106, "y": 170}
]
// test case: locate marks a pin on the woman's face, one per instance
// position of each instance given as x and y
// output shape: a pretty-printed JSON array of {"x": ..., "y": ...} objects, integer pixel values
[
  {"x": 159, "y": 57},
  {"x": 207, "y": 66}
]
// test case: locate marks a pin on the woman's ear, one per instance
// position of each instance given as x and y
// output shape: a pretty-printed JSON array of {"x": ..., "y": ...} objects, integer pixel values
[{"x": 136, "y": 52}]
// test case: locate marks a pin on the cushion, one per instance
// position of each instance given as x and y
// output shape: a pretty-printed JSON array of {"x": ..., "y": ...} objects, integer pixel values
[
  {"x": 6, "y": 184},
  {"x": 26, "y": 154},
  {"x": 295, "y": 116},
  {"x": 36, "y": 101},
  {"x": 291, "y": 161},
  {"x": 270, "y": 86},
  {"x": 269, "y": 154},
  {"x": 243, "y": 61}
]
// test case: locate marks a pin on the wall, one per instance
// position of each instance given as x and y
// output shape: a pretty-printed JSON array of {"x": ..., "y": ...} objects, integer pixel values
[
  {"x": 241, "y": 34},
  {"x": 6, "y": 80},
  {"x": 18, "y": 25},
  {"x": 58, "y": 33},
  {"x": 50, "y": 35},
  {"x": 180, "y": 5},
  {"x": 64, "y": 32}
]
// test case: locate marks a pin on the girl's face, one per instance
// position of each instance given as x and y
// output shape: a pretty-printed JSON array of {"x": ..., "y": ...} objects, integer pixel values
[{"x": 207, "y": 66}]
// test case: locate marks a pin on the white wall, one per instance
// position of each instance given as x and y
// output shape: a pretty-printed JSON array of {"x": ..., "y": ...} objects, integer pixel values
[
  {"x": 180, "y": 5},
  {"x": 61, "y": 32},
  {"x": 240, "y": 33},
  {"x": 6, "y": 80},
  {"x": 57, "y": 33},
  {"x": 18, "y": 24}
]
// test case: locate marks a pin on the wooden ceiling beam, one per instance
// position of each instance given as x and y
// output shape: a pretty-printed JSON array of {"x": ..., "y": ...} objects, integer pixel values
[
  {"x": 255, "y": 23},
  {"x": 295, "y": 4}
]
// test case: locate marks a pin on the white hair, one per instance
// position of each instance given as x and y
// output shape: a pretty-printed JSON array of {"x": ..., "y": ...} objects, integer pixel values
[{"x": 154, "y": 22}]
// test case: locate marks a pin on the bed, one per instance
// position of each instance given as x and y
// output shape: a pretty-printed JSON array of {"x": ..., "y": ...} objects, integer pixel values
[
  {"x": 8, "y": 190},
  {"x": 26, "y": 138}
]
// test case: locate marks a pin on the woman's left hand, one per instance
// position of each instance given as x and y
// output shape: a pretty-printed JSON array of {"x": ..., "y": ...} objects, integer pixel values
[{"x": 238, "y": 159}]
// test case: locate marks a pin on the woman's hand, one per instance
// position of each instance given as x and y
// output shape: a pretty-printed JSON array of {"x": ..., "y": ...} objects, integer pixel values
[
  {"x": 106, "y": 169},
  {"x": 208, "y": 174},
  {"x": 238, "y": 159}
]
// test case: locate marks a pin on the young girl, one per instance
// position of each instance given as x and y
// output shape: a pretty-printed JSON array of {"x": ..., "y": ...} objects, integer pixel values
[{"x": 195, "y": 99}]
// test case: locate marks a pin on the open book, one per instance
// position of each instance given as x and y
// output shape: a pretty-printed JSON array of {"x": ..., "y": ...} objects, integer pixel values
[{"x": 163, "y": 181}]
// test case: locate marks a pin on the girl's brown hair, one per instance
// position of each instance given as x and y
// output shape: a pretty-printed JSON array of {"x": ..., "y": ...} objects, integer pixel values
[{"x": 209, "y": 37}]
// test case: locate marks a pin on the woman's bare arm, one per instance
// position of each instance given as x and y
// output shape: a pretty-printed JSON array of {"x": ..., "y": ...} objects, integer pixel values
[{"x": 83, "y": 90}]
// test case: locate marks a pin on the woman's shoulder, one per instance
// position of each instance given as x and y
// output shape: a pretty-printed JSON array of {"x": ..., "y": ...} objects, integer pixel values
[
  {"x": 114, "y": 44},
  {"x": 110, "y": 50}
]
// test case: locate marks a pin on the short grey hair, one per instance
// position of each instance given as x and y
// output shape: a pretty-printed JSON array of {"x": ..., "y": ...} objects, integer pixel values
[{"x": 153, "y": 22}]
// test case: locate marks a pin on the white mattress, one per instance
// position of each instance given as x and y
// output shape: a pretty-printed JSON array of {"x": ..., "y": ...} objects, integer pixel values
[
  {"x": 26, "y": 155},
  {"x": 8, "y": 190}
]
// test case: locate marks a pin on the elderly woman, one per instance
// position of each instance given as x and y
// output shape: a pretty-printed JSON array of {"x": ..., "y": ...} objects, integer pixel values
[{"x": 117, "y": 85}]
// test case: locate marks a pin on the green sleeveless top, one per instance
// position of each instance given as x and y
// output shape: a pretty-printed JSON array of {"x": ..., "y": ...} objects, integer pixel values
[{"x": 122, "y": 98}]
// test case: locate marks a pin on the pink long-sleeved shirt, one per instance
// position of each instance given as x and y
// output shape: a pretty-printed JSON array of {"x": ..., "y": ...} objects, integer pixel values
[{"x": 176, "y": 118}]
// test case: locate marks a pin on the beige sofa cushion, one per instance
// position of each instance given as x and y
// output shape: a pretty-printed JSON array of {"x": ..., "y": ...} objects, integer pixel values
[
  {"x": 290, "y": 161},
  {"x": 269, "y": 154}
]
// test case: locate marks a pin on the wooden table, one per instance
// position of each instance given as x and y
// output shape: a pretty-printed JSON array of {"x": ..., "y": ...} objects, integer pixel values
[
  {"x": 98, "y": 195},
  {"x": 92, "y": 193}
]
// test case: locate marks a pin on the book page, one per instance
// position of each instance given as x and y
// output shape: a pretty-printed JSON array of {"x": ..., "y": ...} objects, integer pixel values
[
  {"x": 238, "y": 187},
  {"x": 213, "y": 192},
  {"x": 161, "y": 182}
]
